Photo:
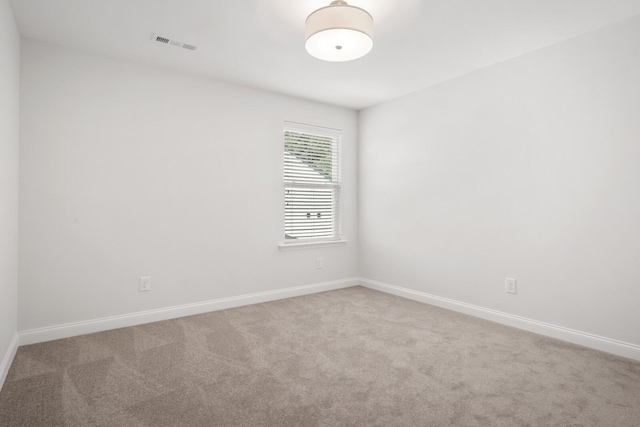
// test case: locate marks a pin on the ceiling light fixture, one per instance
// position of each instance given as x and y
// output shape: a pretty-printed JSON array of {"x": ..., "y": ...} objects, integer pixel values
[{"x": 339, "y": 32}]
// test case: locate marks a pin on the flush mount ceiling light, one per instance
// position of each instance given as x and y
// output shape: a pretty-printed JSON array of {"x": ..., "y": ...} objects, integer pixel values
[{"x": 339, "y": 32}]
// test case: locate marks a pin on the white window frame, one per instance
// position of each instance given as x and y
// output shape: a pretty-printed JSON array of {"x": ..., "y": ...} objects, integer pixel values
[{"x": 335, "y": 184}]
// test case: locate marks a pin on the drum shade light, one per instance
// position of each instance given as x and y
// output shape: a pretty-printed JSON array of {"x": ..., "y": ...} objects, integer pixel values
[{"x": 339, "y": 32}]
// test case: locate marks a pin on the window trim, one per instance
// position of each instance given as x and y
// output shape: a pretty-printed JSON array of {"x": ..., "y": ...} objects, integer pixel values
[{"x": 313, "y": 242}]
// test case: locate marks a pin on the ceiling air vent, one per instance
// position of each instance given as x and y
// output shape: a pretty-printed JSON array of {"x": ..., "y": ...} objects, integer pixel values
[{"x": 172, "y": 42}]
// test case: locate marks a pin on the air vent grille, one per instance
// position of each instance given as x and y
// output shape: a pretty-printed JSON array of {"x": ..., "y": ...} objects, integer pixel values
[{"x": 172, "y": 42}]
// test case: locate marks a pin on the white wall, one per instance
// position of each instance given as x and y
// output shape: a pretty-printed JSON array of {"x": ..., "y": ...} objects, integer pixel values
[
  {"x": 129, "y": 170},
  {"x": 9, "y": 143},
  {"x": 527, "y": 169}
]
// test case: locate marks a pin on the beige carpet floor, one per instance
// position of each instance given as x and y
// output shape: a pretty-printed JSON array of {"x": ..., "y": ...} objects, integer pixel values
[{"x": 351, "y": 357}]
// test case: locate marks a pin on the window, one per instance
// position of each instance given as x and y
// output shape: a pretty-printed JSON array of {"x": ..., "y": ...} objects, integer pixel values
[{"x": 311, "y": 183}]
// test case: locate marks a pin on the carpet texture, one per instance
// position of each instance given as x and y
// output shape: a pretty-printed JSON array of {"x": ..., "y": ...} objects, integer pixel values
[{"x": 351, "y": 357}]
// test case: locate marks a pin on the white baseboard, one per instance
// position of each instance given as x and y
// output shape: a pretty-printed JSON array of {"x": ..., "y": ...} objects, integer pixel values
[
  {"x": 585, "y": 339},
  {"x": 6, "y": 361},
  {"x": 34, "y": 336},
  {"x": 50, "y": 333}
]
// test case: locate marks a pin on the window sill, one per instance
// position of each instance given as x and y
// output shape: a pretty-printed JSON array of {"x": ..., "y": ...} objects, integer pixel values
[{"x": 310, "y": 245}]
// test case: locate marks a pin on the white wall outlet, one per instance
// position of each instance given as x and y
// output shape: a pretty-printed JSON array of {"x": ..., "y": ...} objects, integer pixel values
[
  {"x": 510, "y": 285},
  {"x": 145, "y": 284},
  {"x": 319, "y": 263}
]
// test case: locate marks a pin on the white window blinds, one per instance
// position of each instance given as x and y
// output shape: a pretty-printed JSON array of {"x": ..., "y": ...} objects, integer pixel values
[{"x": 311, "y": 182}]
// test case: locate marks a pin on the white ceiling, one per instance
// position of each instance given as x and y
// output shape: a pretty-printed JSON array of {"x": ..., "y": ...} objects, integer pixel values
[{"x": 260, "y": 43}]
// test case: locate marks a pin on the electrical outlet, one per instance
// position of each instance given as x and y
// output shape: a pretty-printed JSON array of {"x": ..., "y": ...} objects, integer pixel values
[
  {"x": 145, "y": 284},
  {"x": 319, "y": 263},
  {"x": 510, "y": 285}
]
